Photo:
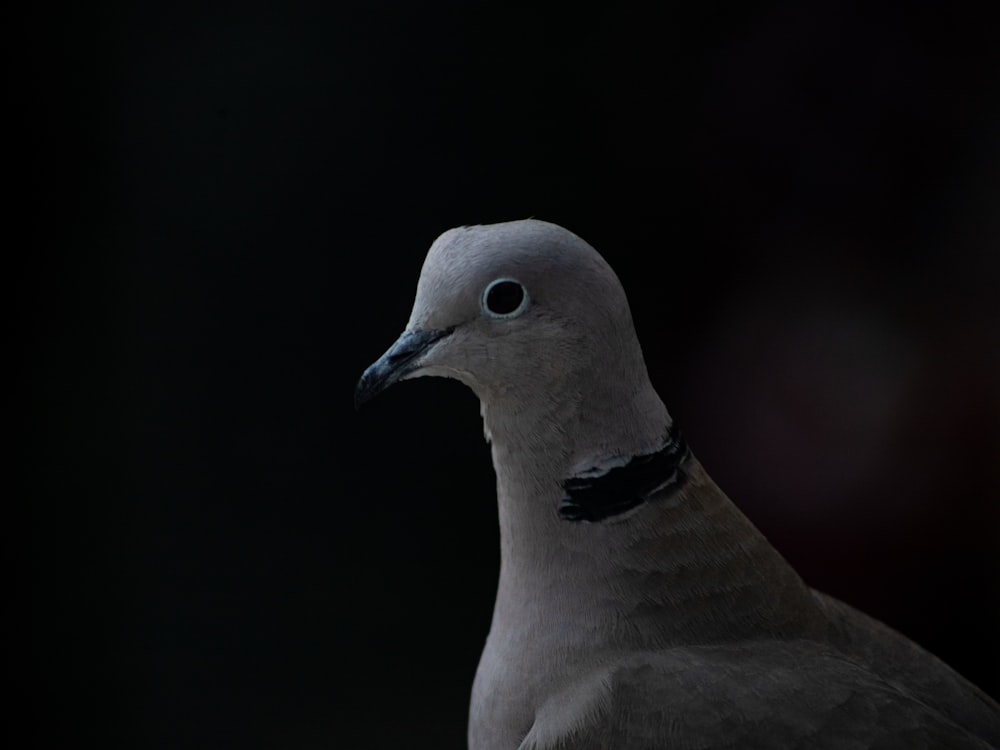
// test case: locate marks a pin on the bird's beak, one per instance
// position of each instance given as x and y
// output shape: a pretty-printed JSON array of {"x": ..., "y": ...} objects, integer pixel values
[{"x": 401, "y": 359}]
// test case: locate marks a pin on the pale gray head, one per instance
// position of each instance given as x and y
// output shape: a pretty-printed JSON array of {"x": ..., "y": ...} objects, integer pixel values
[{"x": 534, "y": 320}]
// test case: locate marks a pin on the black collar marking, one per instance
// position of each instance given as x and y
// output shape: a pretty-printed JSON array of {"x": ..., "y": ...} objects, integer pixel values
[{"x": 624, "y": 487}]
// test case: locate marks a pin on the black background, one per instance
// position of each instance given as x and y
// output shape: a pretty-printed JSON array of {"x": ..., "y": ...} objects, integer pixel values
[{"x": 227, "y": 208}]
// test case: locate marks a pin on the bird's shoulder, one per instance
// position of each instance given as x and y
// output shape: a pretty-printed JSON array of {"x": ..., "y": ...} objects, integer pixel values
[{"x": 760, "y": 694}]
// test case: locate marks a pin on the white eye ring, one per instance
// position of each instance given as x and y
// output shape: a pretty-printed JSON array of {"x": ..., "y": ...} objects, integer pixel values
[{"x": 504, "y": 298}]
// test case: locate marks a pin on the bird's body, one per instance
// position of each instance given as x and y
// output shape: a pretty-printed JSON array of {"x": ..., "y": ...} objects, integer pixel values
[{"x": 637, "y": 607}]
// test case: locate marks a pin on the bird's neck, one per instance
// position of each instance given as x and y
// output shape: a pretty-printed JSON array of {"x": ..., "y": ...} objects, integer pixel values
[
  {"x": 546, "y": 432},
  {"x": 684, "y": 567}
]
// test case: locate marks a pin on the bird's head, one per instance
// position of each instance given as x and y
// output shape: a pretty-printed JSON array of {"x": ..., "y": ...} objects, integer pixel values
[{"x": 510, "y": 309}]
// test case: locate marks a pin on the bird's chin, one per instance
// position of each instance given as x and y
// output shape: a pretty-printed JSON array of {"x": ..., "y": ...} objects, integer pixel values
[{"x": 430, "y": 370}]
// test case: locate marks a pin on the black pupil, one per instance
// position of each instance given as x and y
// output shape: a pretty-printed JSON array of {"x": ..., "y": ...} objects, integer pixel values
[{"x": 504, "y": 297}]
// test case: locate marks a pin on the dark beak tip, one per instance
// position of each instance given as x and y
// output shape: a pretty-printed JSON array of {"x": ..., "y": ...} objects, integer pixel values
[
  {"x": 395, "y": 364},
  {"x": 363, "y": 391}
]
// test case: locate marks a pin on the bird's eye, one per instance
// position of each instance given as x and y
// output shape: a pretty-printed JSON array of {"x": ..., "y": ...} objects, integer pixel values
[{"x": 504, "y": 298}]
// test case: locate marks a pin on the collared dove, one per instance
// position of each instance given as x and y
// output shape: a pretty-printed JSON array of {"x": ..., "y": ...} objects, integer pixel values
[{"x": 636, "y": 606}]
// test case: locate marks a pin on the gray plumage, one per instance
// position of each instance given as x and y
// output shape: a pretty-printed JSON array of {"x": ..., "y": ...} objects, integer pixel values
[{"x": 667, "y": 621}]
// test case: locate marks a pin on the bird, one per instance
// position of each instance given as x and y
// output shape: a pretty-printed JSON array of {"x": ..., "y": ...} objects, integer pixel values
[{"x": 637, "y": 607}]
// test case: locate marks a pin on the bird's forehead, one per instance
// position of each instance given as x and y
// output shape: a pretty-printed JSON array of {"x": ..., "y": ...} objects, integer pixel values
[
  {"x": 462, "y": 261},
  {"x": 470, "y": 252},
  {"x": 453, "y": 272},
  {"x": 524, "y": 249},
  {"x": 458, "y": 257}
]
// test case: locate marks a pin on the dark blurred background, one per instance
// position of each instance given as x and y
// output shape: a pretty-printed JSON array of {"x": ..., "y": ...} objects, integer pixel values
[{"x": 227, "y": 208}]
